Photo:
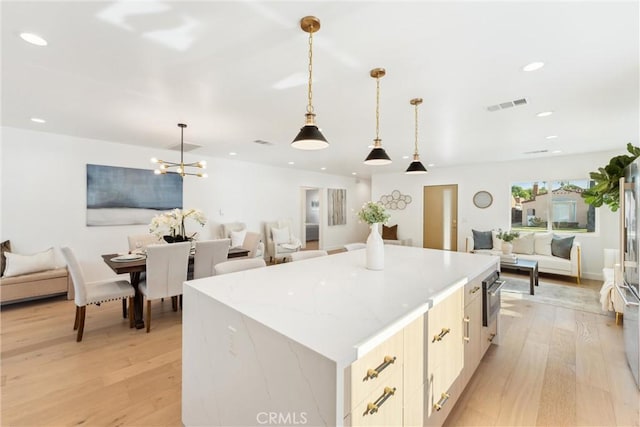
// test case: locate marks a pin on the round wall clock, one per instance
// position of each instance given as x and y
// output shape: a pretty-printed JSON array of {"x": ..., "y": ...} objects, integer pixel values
[{"x": 482, "y": 199}]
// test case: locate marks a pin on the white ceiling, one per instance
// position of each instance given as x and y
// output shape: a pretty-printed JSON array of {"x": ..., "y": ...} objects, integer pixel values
[{"x": 129, "y": 72}]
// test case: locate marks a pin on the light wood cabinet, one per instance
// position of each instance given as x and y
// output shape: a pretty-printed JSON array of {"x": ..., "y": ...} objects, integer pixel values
[
  {"x": 472, "y": 333},
  {"x": 383, "y": 407}
]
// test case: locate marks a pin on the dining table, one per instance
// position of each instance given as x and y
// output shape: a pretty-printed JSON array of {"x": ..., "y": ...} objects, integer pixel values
[{"x": 136, "y": 267}]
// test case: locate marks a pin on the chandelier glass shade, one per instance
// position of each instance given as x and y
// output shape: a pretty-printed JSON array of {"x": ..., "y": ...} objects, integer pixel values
[
  {"x": 416, "y": 167},
  {"x": 377, "y": 156},
  {"x": 310, "y": 137},
  {"x": 180, "y": 168}
]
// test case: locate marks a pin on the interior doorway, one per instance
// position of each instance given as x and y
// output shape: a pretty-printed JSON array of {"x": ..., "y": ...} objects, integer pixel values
[
  {"x": 440, "y": 217},
  {"x": 311, "y": 218}
]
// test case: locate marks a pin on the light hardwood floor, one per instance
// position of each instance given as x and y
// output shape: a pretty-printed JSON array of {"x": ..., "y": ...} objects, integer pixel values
[{"x": 554, "y": 366}]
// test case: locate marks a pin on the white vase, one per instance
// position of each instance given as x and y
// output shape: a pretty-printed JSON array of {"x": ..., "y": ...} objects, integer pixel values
[
  {"x": 375, "y": 249},
  {"x": 507, "y": 248}
]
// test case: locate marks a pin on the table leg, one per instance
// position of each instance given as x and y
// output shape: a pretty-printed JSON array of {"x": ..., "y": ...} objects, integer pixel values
[
  {"x": 531, "y": 280},
  {"x": 536, "y": 273},
  {"x": 137, "y": 301}
]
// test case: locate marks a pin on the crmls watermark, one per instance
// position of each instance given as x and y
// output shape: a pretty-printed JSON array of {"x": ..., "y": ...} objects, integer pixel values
[{"x": 282, "y": 418}]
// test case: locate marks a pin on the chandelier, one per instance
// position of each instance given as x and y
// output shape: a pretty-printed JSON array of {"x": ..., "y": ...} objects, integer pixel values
[{"x": 181, "y": 168}]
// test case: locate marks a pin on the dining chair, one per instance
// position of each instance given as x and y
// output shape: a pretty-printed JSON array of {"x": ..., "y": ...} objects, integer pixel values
[
  {"x": 167, "y": 267},
  {"x": 141, "y": 241},
  {"x": 208, "y": 254},
  {"x": 95, "y": 292},
  {"x": 239, "y": 265},
  {"x": 354, "y": 246},
  {"x": 298, "y": 256}
]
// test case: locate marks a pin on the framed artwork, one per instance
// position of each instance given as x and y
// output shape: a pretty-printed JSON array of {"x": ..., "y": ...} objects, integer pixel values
[
  {"x": 337, "y": 206},
  {"x": 126, "y": 196}
]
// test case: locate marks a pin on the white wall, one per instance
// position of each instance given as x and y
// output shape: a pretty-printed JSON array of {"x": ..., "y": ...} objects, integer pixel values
[
  {"x": 43, "y": 178},
  {"x": 496, "y": 179}
]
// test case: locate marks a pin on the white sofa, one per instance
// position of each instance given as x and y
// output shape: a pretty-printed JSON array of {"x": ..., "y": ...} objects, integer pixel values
[
  {"x": 609, "y": 297},
  {"x": 546, "y": 263}
]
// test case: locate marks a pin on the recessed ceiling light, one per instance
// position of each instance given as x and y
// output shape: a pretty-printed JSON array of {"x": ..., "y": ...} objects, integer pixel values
[
  {"x": 551, "y": 137},
  {"x": 533, "y": 66},
  {"x": 405, "y": 157},
  {"x": 323, "y": 168},
  {"x": 431, "y": 165},
  {"x": 369, "y": 146},
  {"x": 291, "y": 163},
  {"x": 556, "y": 152},
  {"x": 544, "y": 114},
  {"x": 353, "y": 173},
  {"x": 33, "y": 39},
  {"x": 233, "y": 153},
  {"x": 38, "y": 120}
]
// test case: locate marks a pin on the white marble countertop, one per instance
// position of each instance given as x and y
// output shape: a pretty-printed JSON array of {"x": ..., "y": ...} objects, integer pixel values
[{"x": 335, "y": 306}]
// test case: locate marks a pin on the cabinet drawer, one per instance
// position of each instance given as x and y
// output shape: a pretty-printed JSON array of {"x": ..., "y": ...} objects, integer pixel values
[
  {"x": 388, "y": 397},
  {"x": 444, "y": 336},
  {"x": 374, "y": 368},
  {"x": 472, "y": 290},
  {"x": 414, "y": 366}
]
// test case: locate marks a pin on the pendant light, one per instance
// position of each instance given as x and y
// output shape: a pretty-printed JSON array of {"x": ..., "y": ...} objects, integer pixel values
[
  {"x": 377, "y": 156},
  {"x": 416, "y": 167},
  {"x": 164, "y": 166},
  {"x": 310, "y": 137}
]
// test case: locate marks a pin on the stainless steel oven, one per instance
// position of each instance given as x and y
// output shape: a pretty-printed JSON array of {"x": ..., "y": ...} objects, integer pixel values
[{"x": 491, "y": 286}]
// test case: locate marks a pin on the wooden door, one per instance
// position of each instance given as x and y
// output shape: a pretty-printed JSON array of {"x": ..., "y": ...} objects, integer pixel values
[{"x": 440, "y": 221}]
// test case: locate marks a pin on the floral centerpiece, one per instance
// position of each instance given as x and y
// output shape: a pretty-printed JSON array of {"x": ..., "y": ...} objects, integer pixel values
[
  {"x": 372, "y": 213},
  {"x": 507, "y": 236},
  {"x": 170, "y": 225}
]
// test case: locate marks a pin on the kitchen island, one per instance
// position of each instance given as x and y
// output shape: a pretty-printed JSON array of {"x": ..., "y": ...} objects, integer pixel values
[{"x": 286, "y": 344}]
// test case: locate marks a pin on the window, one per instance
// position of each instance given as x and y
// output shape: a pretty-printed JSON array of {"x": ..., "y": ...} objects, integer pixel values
[{"x": 551, "y": 206}]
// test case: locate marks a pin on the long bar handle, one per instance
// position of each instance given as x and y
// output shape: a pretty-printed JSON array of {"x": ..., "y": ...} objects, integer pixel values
[
  {"x": 441, "y": 402},
  {"x": 373, "y": 373},
  {"x": 494, "y": 289},
  {"x": 441, "y": 335},
  {"x": 491, "y": 337},
  {"x": 474, "y": 290},
  {"x": 372, "y": 408},
  {"x": 467, "y": 337},
  {"x": 627, "y": 303}
]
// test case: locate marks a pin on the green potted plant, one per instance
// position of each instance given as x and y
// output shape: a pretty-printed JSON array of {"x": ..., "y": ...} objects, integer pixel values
[
  {"x": 607, "y": 180},
  {"x": 507, "y": 237}
]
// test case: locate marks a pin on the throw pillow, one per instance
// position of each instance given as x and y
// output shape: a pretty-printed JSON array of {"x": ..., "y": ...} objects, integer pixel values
[
  {"x": 237, "y": 238},
  {"x": 482, "y": 239},
  {"x": 497, "y": 243},
  {"x": 390, "y": 233},
  {"x": 542, "y": 243},
  {"x": 280, "y": 235},
  {"x": 524, "y": 244},
  {"x": 561, "y": 246},
  {"x": 24, "y": 264},
  {"x": 4, "y": 247}
]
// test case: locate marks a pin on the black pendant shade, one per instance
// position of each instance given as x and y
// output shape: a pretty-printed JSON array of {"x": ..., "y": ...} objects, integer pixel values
[
  {"x": 310, "y": 138},
  {"x": 377, "y": 157},
  {"x": 416, "y": 167}
]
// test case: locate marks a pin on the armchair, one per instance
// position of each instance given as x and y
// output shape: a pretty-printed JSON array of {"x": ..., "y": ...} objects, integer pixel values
[
  {"x": 281, "y": 242},
  {"x": 251, "y": 241}
]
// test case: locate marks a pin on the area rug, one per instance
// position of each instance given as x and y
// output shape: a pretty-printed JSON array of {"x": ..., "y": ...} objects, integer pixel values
[{"x": 572, "y": 297}]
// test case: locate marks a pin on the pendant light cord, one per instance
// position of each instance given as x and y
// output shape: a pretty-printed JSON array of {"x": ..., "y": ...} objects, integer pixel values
[
  {"x": 377, "y": 109},
  {"x": 416, "y": 143},
  {"x": 310, "y": 91}
]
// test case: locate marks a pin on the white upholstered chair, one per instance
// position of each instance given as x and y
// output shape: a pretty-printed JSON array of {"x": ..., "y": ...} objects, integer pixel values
[
  {"x": 300, "y": 255},
  {"x": 355, "y": 246},
  {"x": 281, "y": 241},
  {"x": 141, "y": 241},
  {"x": 208, "y": 254},
  {"x": 239, "y": 265},
  {"x": 166, "y": 271},
  {"x": 94, "y": 292},
  {"x": 252, "y": 240}
]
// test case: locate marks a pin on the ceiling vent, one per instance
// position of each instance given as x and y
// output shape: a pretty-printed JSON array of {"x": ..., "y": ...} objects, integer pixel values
[
  {"x": 262, "y": 142},
  {"x": 187, "y": 147},
  {"x": 508, "y": 104},
  {"x": 536, "y": 152}
]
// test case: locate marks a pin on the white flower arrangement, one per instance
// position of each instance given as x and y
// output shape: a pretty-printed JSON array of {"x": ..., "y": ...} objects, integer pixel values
[
  {"x": 172, "y": 223},
  {"x": 372, "y": 213}
]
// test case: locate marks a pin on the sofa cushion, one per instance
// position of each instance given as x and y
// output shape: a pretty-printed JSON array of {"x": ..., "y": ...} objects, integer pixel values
[
  {"x": 23, "y": 264},
  {"x": 4, "y": 247},
  {"x": 550, "y": 264},
  {"x": 561, "y": 246},
  {"x": 390, "y": 233},
  {"x": 524, "y": 244},
  {"x": 542, "y": 243},
  {"x": 482, "y": 239}
]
